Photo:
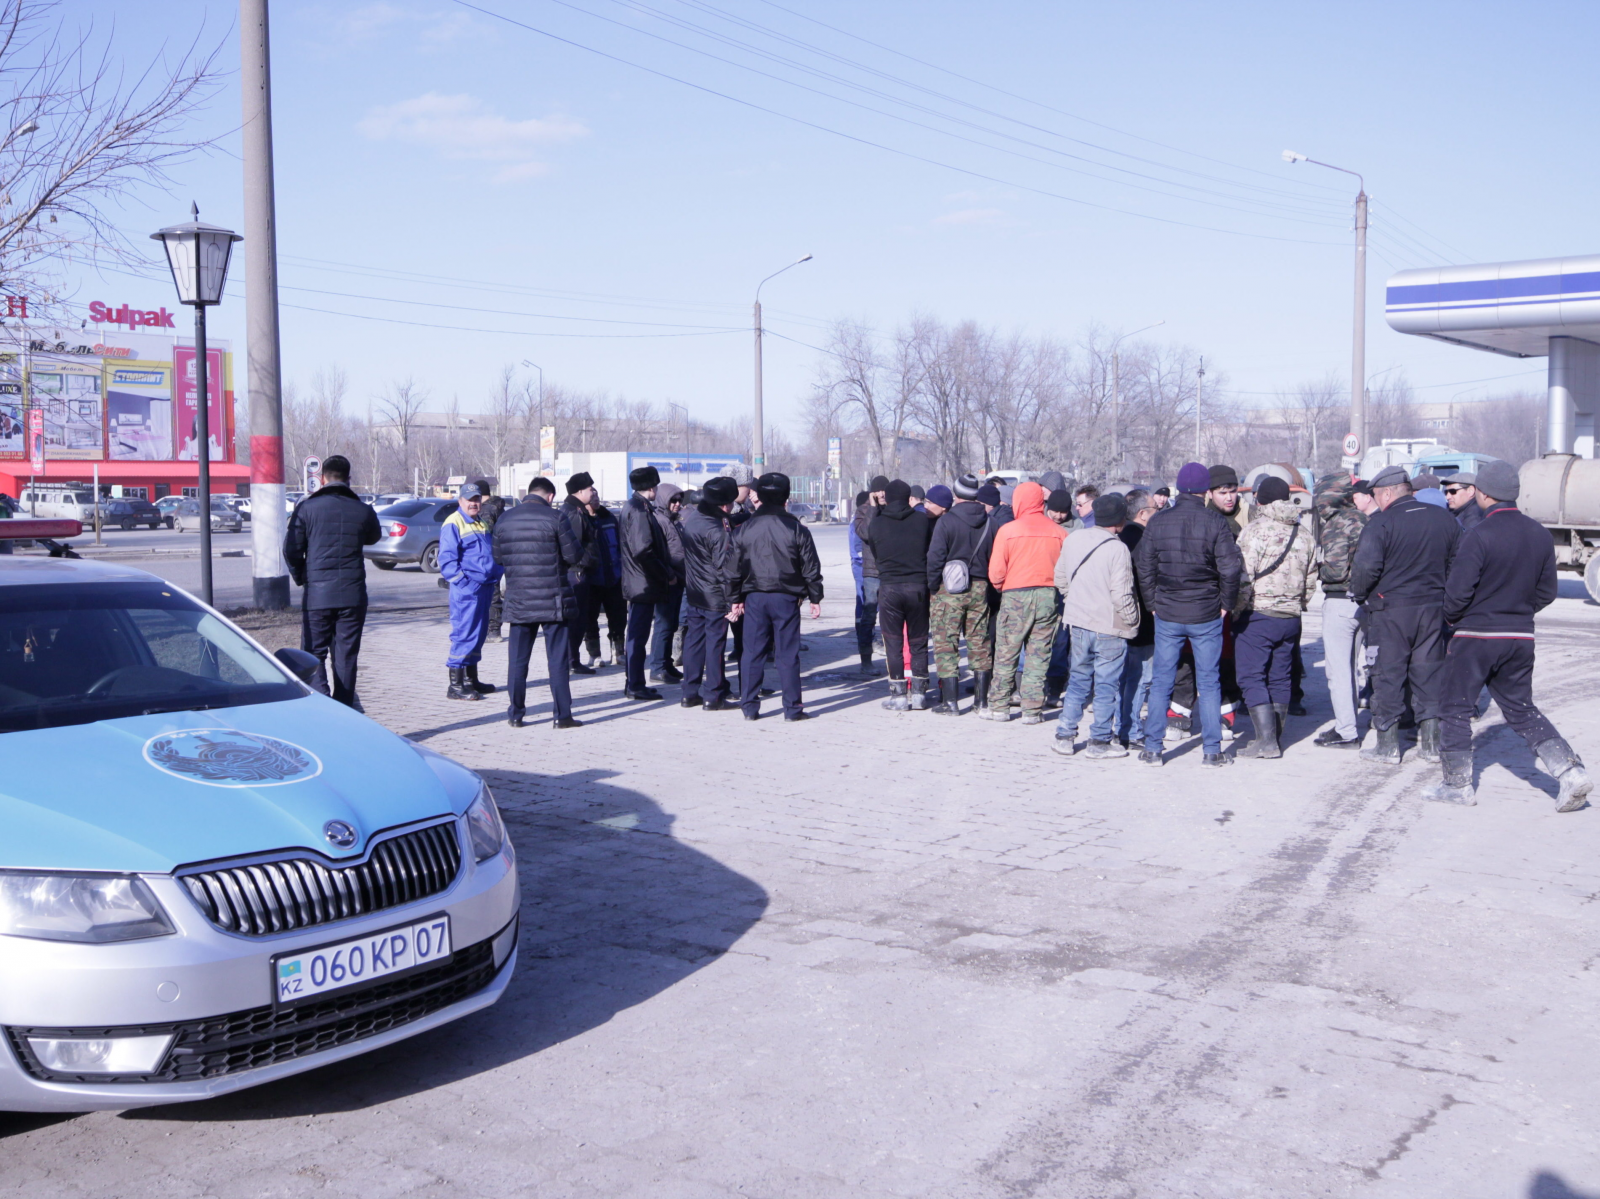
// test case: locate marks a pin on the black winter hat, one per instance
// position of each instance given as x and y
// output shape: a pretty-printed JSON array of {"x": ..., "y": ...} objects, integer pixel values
[
  {"x": 579, "y": 481},
  {"x": 1059, "y": 500},
  {"x": 898, "y": 490},
  {"x": 966, "y": 487},
  {"x": 861, "y": 498},
  {"x": 1499, "y": 481},
  {"x": 721, "y": 490},
  {"x": 1271, "y": 489},
  {"x": 988, "y": 494},
  {"x": 1224, "y": 476},
  {"x": 644, "y": 478},
  {"x": 1110, "y": 509},
  {"x": 917, "y": 491},
  {"x": 879, "y": 483},
  {"x": 773, "y": 488}
]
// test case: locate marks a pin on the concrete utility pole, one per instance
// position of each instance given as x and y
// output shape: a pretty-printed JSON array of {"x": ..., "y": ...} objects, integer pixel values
[
  {"x": 758, "y": 433},
  {"x": 270, "y": 576},
  {"x": 1199, "y": 387},
  {"x": 1358, "y": 353}
]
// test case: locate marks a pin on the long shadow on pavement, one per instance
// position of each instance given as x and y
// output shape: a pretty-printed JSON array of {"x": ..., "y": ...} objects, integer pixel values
[{"x": 614, "y": 911}]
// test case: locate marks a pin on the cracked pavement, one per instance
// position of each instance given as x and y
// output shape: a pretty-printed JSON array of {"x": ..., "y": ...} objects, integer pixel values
[{"x": 882, "y": 954}]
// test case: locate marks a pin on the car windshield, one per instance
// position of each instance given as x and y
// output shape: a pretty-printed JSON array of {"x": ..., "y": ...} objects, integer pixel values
[{"x": 98, "y": 651}]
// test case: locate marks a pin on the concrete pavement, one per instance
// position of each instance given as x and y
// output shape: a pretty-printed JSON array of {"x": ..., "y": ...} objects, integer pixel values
[{"x": 884, "y": 954}]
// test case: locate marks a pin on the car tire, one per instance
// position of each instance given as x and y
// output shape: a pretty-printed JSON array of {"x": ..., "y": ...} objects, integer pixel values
[
  {"x": 381, "y": 564},
  {"x": 127, "y": 526},
  {"x": 430, "y": 559},
  {"x": 168, "y": 521}
]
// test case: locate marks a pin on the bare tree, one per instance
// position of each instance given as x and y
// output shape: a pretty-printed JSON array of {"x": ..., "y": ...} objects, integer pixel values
[
  {"x": 79, "y": 134},
  {"x": 397, "y": 411}
]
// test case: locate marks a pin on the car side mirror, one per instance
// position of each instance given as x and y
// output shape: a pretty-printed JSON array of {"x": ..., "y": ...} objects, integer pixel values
[{"x": 301, "y": 664}]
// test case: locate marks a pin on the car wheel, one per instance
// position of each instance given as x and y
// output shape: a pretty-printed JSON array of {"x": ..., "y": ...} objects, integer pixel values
[
  {"x": 169, "y": 523},
  {"x": 430, "y": 559},
  {"x": 382, "y": 565},
  {"x": 127, "y": 526}
]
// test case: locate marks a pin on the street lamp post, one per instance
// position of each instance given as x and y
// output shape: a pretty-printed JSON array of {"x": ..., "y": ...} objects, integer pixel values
[
  {"x": 1199, "y": 388},
  {"x": 1358, "y": 353},
  {"x": 1116, "y": 394},
  {"x": 758, "y": 435},
  {"x": 198, "y": 255}
]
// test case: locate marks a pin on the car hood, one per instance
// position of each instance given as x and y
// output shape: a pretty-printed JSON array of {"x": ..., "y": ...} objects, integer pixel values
[{"x": 150, "y": 793}]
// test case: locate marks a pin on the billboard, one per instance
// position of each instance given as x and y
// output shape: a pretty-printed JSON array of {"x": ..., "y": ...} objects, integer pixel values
[
  {"x": 186, "y": 400},
  {"x": 13, "y": 438},
  {"x": 139, "y": 411},
  {"x": 68, "y": 392}
]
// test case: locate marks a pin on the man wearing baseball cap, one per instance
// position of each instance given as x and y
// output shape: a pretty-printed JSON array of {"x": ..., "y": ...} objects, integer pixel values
[
  {"x": 1398, "y": 575},
  {"x": 1504, "y": 571}
]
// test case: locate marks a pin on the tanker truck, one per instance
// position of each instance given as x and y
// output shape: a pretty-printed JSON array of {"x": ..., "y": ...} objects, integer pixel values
[{"x": 1562, "y": 492}]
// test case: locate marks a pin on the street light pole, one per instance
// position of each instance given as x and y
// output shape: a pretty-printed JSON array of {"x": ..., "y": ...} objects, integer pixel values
[
  {"x": 1358, "y": 352},
  {"x": 758, "y": 434},
  {"x": 1199, "y": 388},
  {"x": 540, "y": 369},
  {"x": 1116, "y": 394}
]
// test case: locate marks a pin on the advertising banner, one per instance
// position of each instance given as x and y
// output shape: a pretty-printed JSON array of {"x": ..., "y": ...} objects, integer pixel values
[
  {"x": 186, "y": 400},
  {"x": 13, "y": 438},
  {"x": 36, "y": 440},
  {"x": 547, "y": 449},
  {"x": 68, "y": 393},
  {"x": 139, "y": 411}
]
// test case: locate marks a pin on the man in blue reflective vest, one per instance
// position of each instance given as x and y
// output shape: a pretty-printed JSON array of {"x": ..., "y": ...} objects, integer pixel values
[{"x": 466, "y": 560}]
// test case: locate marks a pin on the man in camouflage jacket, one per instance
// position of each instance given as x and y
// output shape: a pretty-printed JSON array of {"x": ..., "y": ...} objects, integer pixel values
[
  {"x": 1278, "y": 552},
  {"x": 1343, "y": 645}
]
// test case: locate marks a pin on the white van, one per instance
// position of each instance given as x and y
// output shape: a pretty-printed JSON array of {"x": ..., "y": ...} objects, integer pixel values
[{"x": 58, "y": 503}]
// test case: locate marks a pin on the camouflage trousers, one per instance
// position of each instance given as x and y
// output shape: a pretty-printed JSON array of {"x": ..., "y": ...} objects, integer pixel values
[
  {"x": 1028, "y": 618},
  {"x": 954, "y": 617}
]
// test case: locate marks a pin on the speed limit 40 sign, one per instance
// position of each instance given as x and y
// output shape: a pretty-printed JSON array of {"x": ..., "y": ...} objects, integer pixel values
[{"x": 1352, "y": 446}]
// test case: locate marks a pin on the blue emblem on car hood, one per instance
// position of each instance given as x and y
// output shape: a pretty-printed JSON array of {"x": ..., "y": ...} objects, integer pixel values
[
  {"x": 229, "y": 758},
  {"x": 151, "y": 793}
]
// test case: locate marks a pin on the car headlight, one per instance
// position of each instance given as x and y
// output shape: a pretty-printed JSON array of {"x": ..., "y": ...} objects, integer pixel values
[
  {"x": 64, "y": 907},
  {"x": 483, "y": 823}
]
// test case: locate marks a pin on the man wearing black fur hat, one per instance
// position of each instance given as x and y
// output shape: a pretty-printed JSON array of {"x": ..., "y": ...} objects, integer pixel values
[
  {"x": 647, "y": 577},
  {"x": 580, "y": 490},
  {"x": 711, "y": 574},
  {"x": 777, "y": 566}
]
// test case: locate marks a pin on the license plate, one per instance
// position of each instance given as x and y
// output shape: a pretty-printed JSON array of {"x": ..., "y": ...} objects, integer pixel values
[{"x": 311, "y": 972}]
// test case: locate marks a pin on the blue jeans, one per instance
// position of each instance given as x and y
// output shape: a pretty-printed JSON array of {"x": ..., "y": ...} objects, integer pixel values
[
  {"x": 1097, "y": 664},
  {"x": 1206, "y": 640},
  {"x": 666, "y": 625},
  {"x": 1137, "y": 670},
  {"x": 866, "y": 615}
]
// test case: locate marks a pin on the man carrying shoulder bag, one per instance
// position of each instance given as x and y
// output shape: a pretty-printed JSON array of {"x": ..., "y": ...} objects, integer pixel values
[{"x": 960, "y": 598}]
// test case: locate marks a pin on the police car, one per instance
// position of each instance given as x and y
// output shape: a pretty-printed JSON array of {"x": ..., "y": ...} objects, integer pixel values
[{"x": 213, "y": 876}]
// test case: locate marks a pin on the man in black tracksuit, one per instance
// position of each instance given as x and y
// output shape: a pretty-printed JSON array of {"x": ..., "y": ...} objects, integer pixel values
[
  {"x": 647, "y": 577},
  {"x": 1504, "y": 572},
  {"x": 867, "y": 593},
  {"x": 1398, "y": 576},
  {"x": 777, "y": 566},
  {"x": 535, "y": 545},
  {"x": 575, "y": 509},
  {"x": 711, "y": 572},
  {"x": 322, "y": 547},
  {"x": 898, "y": 537}
]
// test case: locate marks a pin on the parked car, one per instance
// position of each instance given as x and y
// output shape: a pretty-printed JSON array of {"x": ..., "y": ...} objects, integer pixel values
[
  {"x": 57, "y": 503},
  {"x": 223, "y": 518},
  {"x": 127, "y": 514},
  {"x": 215, "y": 877},
  {"x": 383, "y": 501},
  {"x": 239, "y": 503},
  {"x": 410, "y": 534},
  {"x": 803, "y": 511}
]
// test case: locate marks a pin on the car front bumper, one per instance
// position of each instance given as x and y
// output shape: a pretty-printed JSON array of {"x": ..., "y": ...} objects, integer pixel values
[{"x": 213, "y": 992}]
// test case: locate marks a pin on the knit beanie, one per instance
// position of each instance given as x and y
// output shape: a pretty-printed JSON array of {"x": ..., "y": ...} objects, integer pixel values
[
  {"x": 897, "y": 490},
  {"x": 967, "y": 487},
  {"x": 1223, "y": 476},
  {"x": 988, "y": 494},
  {"x": 1059, "y": 500},
  {"x": 879, "y": 483},
  {"x": 1194, "y": 479},
  {"x": 1110, "y": 509},
  {"x": 1271, "y": 489},
  {"x": 940, "y": 494}
]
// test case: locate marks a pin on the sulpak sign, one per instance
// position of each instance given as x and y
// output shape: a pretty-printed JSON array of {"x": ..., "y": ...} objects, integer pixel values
[{"x": 134, "y": 318}]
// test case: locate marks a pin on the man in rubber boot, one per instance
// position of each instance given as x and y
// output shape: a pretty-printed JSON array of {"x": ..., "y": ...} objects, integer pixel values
[
  {"x": 1278, "y": 550},
  {"x": 1398, "y": 576},
  {"x": 1022, "y": 565},
  {"x": 960, "y": 537},
  {"x": 1504, "y": 572},
  {"x": 898, "y": 537},
  {"x": 466, "y": 562}
]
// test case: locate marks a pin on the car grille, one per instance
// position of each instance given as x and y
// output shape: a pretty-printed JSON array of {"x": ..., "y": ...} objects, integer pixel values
[
  {"x": 263, "y": 1036},
  {"x": 294, "y": 893}
]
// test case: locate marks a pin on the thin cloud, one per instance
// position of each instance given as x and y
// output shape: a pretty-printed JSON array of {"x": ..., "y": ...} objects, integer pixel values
[
  {"x": 971, "y": 216},
  {"x": 463, "y": 127}
]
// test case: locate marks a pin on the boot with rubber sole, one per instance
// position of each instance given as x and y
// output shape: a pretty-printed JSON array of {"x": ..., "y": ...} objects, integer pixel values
[
  {"x": 458, "y": 685},
  {"x": 1556, "y": 756},
  {"x": 1428, "y": 739},
  {"x": 1265, "y": 722},
  {"x": 1385, "y": 746},
  {"x": 475, "y": 683},
  {"x": 898, "y": 701},
  {"x": 980, "y": 693},
  {"x": 1455, "y": 785},
  {"x": 917, "y": 694},
  {"x": 949, "y": 698}
]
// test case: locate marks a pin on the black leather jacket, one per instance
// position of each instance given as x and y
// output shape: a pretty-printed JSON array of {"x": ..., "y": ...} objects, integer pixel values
[
  {"x": 710, "y": 559},
  {"x": 583, "y": 532},
  {"x": 646, "y": 558},
  {"x": 777, "y": 554}
]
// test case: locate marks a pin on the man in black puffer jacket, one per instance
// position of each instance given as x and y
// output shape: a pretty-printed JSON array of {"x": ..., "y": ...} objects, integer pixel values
[
  {"x": 777, "y": 566},
  {"x": 898, "y": 537},
  {"x": 711, "y": 572},
  {"x": 958, "y": 536},
  {"x": 535, "y": 545},
  {"x": 322, "y": 547},
  {"x": 1188, "y": 572},
  {"x": 647, "y": 576}
]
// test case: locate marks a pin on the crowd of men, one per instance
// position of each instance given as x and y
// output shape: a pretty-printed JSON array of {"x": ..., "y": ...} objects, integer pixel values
[{"x": 1158, "y": 612}]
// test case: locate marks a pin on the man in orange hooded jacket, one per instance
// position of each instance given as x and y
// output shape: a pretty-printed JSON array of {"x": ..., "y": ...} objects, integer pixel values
[{"x": 1022, "y": 566}]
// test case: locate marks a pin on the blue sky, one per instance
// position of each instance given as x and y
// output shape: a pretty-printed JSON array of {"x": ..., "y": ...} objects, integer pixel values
[{"x": 549, "y": 181}]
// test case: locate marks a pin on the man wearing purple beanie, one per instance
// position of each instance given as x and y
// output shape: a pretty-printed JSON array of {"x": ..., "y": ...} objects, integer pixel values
[{"x": 1188, "y": 569}]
